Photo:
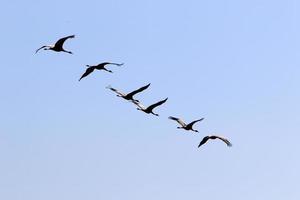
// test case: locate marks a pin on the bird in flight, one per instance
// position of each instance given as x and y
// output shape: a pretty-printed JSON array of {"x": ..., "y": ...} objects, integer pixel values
[
  {"x": 184, "y": 125},
  {"x": 128, "y": 96},
  {"x": 150, "y": 108},
  {"x": 213, "y": 137},
  {"x": 100, "y": 66},
  {"x": 58, "y": 46}
]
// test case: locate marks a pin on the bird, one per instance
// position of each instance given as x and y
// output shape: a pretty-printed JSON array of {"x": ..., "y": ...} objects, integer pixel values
[
  {"x": 128, "y": 96},
  {"x": 100, "y": 66},
  {"x": 58, "y": 46},
  {"x": 184, "y": 125},
  {"x": 150, "y": 108},
  {"x": 213, "y": 137}
]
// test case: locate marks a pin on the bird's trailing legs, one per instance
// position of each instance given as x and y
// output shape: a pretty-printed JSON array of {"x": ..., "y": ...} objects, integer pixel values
[
  {"x": 67, "y": 52},
  {"x": 155, "y": 114},
  {"x": 107, "y": 70}
]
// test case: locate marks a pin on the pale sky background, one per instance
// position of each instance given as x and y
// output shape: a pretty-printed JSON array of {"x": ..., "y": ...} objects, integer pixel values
[{"x": 236, "y": 63}]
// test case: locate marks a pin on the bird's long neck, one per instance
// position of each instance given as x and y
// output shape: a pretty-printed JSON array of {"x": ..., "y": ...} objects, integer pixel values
[{"x": 48, "y": 48}]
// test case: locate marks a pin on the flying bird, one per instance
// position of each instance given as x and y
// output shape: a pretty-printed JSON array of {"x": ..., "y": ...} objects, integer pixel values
[
  {"x": 213, "y": 137},
  {"x": 128, "y": 96},
  {"x": 184, "y": 125},
  {"x": 100, "y": 66},
  {"x": 150, "y": 108},
  {"x": 58, "y": 46}
]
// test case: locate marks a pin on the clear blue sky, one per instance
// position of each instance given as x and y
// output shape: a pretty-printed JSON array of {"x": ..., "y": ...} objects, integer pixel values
[{"x": 236, "y": 63}]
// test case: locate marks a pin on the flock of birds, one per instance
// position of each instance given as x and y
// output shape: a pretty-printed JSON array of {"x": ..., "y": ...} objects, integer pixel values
[{"x": 58, "y": 47}]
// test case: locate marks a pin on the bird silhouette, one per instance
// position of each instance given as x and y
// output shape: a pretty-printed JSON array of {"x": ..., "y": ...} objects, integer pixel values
[
  {"x": 184, "y": 125},
  {"x": 58, "y": 46},
  {"x": 213, "y": 137},
  {"x": 100, "y": 66},
  {"x": 128, "y": 96},
  {"x": 150, "y": 108}
]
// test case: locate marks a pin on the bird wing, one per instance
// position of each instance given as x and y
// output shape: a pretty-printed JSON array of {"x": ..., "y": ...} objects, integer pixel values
[
  {"x": 178, "y": 120},
  {"x": 61, "y": 41},
  {"x": 157, "y": 104},
  {"x": 87, "y": 72},
  {"x": 193, "y": 122},
  {"x": 138, "y": 104},
  {"x": 100, "y": 65},
  {"x": 116, "y": 91},
  {"x": 117, "y": 64},
  {"x": 204, "y": 140},
  {"x": 224, "y": 140},
  {"x": 130, "y": 95},
  {"x": 41, "y": 48}
]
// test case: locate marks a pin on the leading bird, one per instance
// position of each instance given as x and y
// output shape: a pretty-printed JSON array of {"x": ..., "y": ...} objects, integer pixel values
[{"x": 58, "y": 46}]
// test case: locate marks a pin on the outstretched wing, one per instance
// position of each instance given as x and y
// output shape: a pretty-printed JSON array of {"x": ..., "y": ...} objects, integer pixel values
[
  {"x": 178, "y": 120},
  {"x": 130, "y": 95},
  {"x": 138, "y": 104},
  {"x": 193, "y": 122},
  {"x": 115, "y": 90},
  {"x": 109, "y": 63},
  {"x": 60, "y": 42},
  {"x": 41, "y": 48},
  {"x": 224, "y": 140},
  {"x": 117, "y": 64},
  {"x": 87, "y": 72},
  {"x": 157, "y": 104},
  {"x": 203, "y": 141}
]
